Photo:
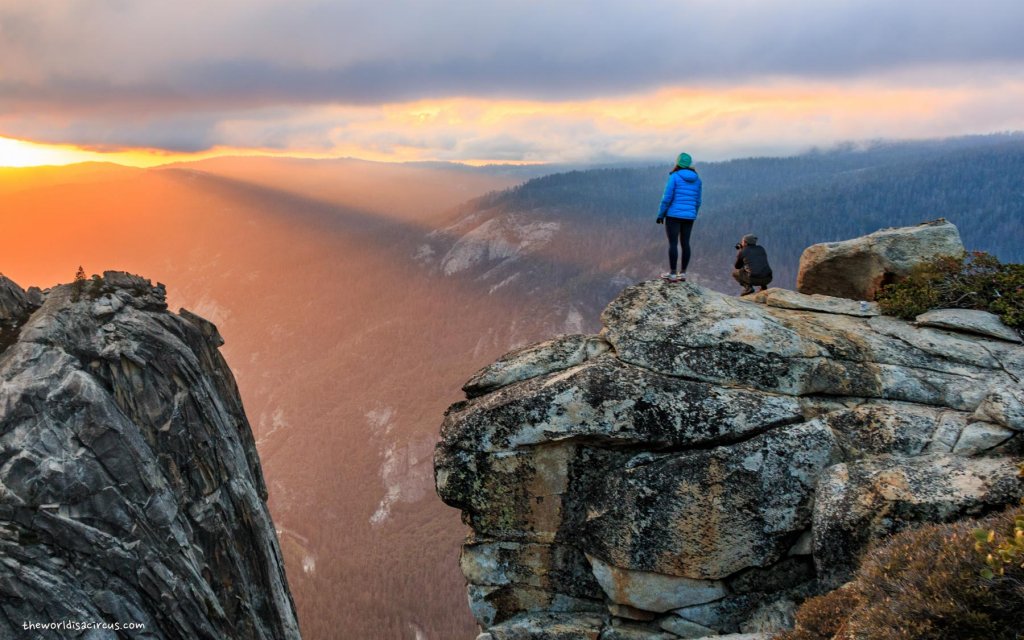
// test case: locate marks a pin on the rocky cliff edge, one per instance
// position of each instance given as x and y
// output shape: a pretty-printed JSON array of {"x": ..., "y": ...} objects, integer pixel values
[
  {"x": 130, "y": 486},
  {"x": 706, "y": 462}
]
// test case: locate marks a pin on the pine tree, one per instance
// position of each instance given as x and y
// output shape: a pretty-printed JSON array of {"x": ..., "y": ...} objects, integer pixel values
[{"x": 78, "y": 285}]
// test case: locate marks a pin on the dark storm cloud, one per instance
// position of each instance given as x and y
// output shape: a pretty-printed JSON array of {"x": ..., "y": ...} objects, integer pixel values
[
  {"x": 362, "y": 53},
  {"x": 103, "y": 61}
]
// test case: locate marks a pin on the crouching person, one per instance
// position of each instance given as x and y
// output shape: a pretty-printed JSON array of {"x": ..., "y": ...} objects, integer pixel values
[{"x": 751, "y": 268}]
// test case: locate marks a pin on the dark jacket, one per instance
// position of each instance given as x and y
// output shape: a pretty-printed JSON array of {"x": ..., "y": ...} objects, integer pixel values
[
  {"x": 682, "y": 195},
  {"x": 754, "y": 260}
]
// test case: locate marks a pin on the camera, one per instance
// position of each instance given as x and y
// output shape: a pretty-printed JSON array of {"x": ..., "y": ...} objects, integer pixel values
[{"x": 739, "y": 245}]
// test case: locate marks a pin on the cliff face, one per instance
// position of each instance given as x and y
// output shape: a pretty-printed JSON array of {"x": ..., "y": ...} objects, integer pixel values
[
  {"x": 130, "y": 486},
  {"x": 707, "y": 462}
]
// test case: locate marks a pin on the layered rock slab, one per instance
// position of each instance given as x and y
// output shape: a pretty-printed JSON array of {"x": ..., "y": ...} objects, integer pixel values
[
  {"x": 969, "y": 321},
  {"x": 685, "y": 463},
  {"x": 130, "y": 487},
  {"x": 693, "y": 333}
]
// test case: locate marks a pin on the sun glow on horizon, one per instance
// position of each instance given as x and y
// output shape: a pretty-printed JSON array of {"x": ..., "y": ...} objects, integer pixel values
[
  {"x": 16, "y": 153},
  {"x": 20, "y": 153},
  {"x": 24, "y": 154},
  {"x": 775, "y": 117}
]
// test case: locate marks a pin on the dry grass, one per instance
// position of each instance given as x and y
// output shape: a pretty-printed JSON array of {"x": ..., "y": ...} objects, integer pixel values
[{"x": 923, "y": 584}]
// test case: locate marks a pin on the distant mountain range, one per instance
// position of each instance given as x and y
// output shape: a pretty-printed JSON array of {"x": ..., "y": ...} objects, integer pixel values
[{"x": 355, "y": 298}]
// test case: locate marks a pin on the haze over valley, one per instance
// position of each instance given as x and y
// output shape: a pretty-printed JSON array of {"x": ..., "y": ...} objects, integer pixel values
[{"x": 355, "y": 299}]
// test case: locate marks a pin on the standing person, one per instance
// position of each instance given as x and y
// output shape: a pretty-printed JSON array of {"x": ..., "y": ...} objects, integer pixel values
[
  {"x": 679, "y": 208},
  {"x": 751, "y": 266}
]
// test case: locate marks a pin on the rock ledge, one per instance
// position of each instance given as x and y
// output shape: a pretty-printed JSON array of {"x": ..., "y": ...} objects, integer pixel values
[{"x": 713, "y": 461}]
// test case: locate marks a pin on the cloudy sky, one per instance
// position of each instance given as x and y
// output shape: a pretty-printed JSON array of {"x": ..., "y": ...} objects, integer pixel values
[{"x": 527, "y": 80}]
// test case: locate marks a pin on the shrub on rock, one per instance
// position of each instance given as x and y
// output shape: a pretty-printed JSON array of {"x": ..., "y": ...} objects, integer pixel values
[
  {"x": 932, "y": 583},
  {"x": 822, "y": 617},
  {"x": 974, "y": 281}
]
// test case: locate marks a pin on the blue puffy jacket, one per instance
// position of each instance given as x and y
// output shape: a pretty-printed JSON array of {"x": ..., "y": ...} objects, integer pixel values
[{"x": 682, "y": 195}]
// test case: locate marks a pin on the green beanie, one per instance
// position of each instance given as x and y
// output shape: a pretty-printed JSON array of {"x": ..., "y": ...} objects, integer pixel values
[{"x": 684, "y": 160}]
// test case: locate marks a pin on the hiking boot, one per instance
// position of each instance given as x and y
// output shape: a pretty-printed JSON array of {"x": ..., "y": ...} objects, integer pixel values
[
  {"x": 681, "y": 277},
  {"x": 669, "y": 276},
  {"x": 747, "y": 291}
]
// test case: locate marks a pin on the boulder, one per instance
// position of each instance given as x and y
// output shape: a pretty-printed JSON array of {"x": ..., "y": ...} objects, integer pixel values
[
  {"x": 859, "y": 268},
  {"x": 686, "y": 331},
  {"x": 608, "y": 401},
  {"x": 558, "y": 568},
  {"x": 493, "y": 605},
  {"x": 969, "y": 321},
  {"x": 725, "y": 615},
  {"x": 35, "y": 296},
  {"x": 530, "y": 495},
  {"x": 690, "y": 332}
]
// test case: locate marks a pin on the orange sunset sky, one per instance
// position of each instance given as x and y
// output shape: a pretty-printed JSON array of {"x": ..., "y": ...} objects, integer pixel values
[{"x": 144, "y": 83}]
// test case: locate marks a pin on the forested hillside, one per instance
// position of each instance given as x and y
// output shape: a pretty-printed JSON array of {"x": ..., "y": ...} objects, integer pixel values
[{"x": 977, "y": 183}]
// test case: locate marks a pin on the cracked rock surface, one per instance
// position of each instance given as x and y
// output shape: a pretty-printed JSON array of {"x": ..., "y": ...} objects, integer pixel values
[
  {"x": 130, "y": 486},
  {"x": 709, "y": 462}
]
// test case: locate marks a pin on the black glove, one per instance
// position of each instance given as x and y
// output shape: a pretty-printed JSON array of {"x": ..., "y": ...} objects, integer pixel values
[{"x": 660, "y": 220}]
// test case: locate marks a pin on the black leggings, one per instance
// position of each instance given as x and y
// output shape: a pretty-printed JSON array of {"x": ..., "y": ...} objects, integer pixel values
[{"x": 678, "y": 231}]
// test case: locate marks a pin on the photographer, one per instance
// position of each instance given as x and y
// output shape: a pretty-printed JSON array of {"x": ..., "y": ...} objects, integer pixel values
[{"x": 751, "y": 266}]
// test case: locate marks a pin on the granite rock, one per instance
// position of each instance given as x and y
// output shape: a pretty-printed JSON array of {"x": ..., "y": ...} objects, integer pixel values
[
  {"x": 860, "y": 267},
  {"x": 130, "y": 486},
  {"x": 785, "y": 299},
  {"x": 968, "y": 321},
  {"x": 535, "y": 360},
  {"x": 717, "y": 460},
  {"x": 861, "y": 501}
]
